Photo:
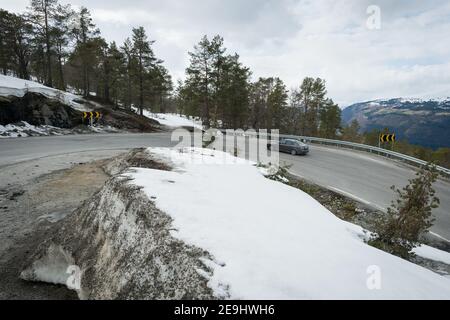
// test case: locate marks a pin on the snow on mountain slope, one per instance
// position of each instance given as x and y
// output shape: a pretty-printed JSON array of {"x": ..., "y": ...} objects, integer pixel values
[
  {"x": 272, "y": 241},
  {"x": 12, "y": 86},
  {"x": 172, "y": 119},
  {"x": 419, "y": 121}
]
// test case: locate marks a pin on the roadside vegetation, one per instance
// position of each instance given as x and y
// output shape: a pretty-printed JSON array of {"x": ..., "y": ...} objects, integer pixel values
[{"x": 409, "y": 216}]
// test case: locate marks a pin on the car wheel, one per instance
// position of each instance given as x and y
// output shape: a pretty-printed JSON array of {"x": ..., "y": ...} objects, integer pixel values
[{"x": 293, "y": 152}]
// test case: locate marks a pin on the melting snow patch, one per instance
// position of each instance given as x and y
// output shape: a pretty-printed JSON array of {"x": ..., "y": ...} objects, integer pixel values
[
  {"x": 24, "y": 129},
  {"x": 173, "y": 120}
]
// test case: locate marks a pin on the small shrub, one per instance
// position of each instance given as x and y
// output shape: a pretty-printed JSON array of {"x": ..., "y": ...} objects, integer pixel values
[{"x": 409, "y": 216}]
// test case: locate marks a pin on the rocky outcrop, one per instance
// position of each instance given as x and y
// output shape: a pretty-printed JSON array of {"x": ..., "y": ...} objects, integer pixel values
[
  {"x": 127, "y": 120},
  {"x": 123, "y": 246},
  {"x": 37, "y": 110}
]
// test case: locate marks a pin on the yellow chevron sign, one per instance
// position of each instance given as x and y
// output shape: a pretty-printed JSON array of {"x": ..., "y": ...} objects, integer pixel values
[
  {"x": 91, "y": 114},
  {"x": 387, "y": 137}
]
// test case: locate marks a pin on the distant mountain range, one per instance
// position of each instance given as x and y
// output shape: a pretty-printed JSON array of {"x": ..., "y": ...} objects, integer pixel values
[{"x": 423, "y": 122}]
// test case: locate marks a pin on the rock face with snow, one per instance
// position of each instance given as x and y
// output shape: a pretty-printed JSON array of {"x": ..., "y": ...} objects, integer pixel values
[
  {"x": 38, "y": 105},
  {"x": 423, "y": 122},
  {"x": 38, "y": 109},
  {"x": 123, "y": 246}
]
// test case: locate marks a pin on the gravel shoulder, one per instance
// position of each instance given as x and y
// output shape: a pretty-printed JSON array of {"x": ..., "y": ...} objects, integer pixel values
[{"x": 34, "y": 196}]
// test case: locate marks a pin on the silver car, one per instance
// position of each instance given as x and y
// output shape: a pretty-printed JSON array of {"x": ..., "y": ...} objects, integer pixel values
[{"x": 292, "y": 146}]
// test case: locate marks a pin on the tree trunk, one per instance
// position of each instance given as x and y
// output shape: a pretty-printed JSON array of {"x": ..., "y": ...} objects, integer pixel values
[
  {"x": 106, "y": 90},
  {"x": 141, "y": 88},
  {"x": 47, "y": 44},
  {"x": 129, "y": 91},
  {"x": 61, "y": 72}
]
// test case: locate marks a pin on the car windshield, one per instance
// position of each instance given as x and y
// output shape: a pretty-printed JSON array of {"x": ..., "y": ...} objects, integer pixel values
[{"x": 294, "y": 143}]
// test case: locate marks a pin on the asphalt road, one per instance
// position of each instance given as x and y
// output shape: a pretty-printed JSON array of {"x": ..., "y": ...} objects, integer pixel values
[
  {"x": 363, "y": 176},
  {"x": 366, "y": 178}
]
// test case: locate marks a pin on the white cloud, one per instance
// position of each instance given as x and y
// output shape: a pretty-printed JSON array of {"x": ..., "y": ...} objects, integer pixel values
[{"x": 408, "y": 56}]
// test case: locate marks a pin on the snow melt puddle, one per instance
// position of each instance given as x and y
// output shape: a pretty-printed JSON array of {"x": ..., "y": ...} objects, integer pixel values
[{"x": 272, "y": 241}]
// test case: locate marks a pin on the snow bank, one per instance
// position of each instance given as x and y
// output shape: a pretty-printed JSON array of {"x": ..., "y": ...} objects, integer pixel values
[
  {"x": 121, "y": 244},
  {"x": 24, "y": 129},
  {"x": 272, "y": 241},
  {"x": 11, "y": 86}
]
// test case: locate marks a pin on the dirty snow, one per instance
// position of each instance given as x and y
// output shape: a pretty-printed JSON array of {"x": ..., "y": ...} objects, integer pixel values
[
  {"x": 12, "y": 86},
  {"x": 24, "y": 129},
  {"x": 272, "y": 241}
]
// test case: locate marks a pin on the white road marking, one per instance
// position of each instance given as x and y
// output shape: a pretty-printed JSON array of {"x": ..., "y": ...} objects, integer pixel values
[
  {"x": 439, "y": 236},
  {"x": 349, "y": 195},
  {"x": 379, "y": 207}
]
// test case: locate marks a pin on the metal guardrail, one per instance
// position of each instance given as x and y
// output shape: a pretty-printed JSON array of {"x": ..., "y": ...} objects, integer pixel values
[
  {"x": 363, "y": 147},
  {"x": 370, "y": 149}
]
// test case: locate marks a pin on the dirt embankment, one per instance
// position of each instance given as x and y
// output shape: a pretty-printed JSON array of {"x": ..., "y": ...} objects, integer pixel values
[
  {"x": 29, "y": 212},
  {"x": 120, "y": 243}
]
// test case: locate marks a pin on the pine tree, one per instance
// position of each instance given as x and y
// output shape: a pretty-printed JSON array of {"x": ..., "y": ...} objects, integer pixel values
[
  {"x": 130, "y": 62},
  {"x": 330, "y": 119},
  {"x": 259, "y": 92},
  {"x": 409, "y": 217},
  {"x": 351, "y": 132},
  {"x": 276, "y": 104},
  {"x": 199, "y": 77},
  {"x": 115, "y": 62},
  {"x": 162, "y": 86},
  {"x": 312, "y": 97},
  {"x": 5, "y": 40},
  {"x": 62, "y": 36},
  {"x": 216, "y": 86},
  {"x": 232, "y": 95},
  {"x": 218, "y": 61},
  {"x": 146, "y": 61},
  {"x": 15, "y": 42},
  {"x": 84, "y": 56},
  {"x": 41, "y": 15}
]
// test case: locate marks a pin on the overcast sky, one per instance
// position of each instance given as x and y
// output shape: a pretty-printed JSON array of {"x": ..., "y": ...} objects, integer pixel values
[{"x": 408, "y": 56}]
